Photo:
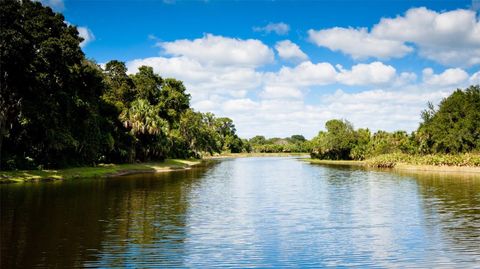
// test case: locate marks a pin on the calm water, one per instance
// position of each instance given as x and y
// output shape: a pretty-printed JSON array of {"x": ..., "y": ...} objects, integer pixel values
[{"x": 251, "y": 212}]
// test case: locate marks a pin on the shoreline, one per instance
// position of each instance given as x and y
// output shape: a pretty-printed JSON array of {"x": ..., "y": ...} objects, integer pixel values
[
  {"x": 170, "y": 165},
  {"x": 102, "y": 170},
  {"x": 403, "y": 167},
  {"x": 255, "y": 154}
]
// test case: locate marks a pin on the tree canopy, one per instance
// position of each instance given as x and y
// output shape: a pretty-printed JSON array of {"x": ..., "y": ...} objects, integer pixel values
[
  {"x": 453, "y": 127},
  {"x": 59, "y": 109}
]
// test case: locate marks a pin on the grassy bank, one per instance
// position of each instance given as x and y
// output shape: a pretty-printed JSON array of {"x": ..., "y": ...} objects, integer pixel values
[
  {"x": 467, "y": 163},
  {"x": 336, "y": 162},
  {"x": 393, "y": 160},
  {"x": 102, "y": 170}
]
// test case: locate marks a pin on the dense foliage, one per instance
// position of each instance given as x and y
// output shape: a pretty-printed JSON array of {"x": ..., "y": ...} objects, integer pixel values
[
  {"x": 59, "y": 109},
  {"x": 453, "y": 128},
  {"x": 391, "y": 160},
  {"x": 295, "y": 143}
]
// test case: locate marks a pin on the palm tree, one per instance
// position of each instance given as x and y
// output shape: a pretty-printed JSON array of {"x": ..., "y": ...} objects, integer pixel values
[{"x": 143, "y": 118}]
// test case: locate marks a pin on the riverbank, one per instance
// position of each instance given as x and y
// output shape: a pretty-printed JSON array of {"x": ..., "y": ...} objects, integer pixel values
[
  {"x": 255, "y": 154},
  {"x": 102, "y": 170},
  {"x": 402, "y": 166}
]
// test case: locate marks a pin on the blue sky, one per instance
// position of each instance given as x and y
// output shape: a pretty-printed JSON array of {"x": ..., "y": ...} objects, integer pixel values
[{"x": 283, "y": 67}]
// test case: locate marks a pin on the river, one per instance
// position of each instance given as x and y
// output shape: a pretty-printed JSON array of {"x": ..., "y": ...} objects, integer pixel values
[{"x": 245, "y": 212}]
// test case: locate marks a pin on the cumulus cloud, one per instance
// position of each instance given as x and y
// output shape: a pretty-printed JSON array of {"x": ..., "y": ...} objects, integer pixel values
[
  {"x": 219, "y": 50},
  {"x": 278, "y": 28},
  {"x": 203, "y": 80},
  {"x": 367, "y": 74},
  {"x": 475, "y": 78},
  {"x": 452, "y": 76},
  {"x": 302, "y": 97},
  {"x": 358, "y": 43},
  {"x": 380, "y": 109},
  {"x": 304, "y": 74},
  {"x": 290, "y": 51},
  {"x": 451, "y": 38},
  {"x": 279, "y": 92},
  {"x": 86, "y": 34},
  {"x": 310, "y": 74},
  {"x": 377, "y": 109},
  {"x": 238, "y": 105}
]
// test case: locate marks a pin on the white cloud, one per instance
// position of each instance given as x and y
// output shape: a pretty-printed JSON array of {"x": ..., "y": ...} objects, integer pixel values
[
  {"x": 278, "y": 92},
  {"x": 288, "y": 50},
  {"x": 203, "y": 80},
  {"x": 358, "y": 43},
  {"x": 218, "y": 50},
  {"x": 86, "y": 34},
  {"x": 367, "y": 74},
  {"x": 475, "y": 79},
  {"x": 279, "y": 28},
  {"x": 377, "y": 109},
  {"x": 449, "y": 77},
  {"x": 383, "y": 109},
  {"x": 304, "y": 74},
  {"x": 451, "y": 38},
  {"x": 286, "y": 101},
  {"x": 236, "y": 105}
]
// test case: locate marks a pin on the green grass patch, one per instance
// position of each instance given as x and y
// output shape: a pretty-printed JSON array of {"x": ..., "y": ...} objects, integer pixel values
[{"x": 101, "y": 170}]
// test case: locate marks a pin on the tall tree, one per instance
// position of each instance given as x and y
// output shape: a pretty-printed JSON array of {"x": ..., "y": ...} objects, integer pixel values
[
  {"x": 40, "y": 93},
  {"x": 337, "y": 142},
  {"x": 173, "y": 100},
  {"x": 455, "y": 126}
]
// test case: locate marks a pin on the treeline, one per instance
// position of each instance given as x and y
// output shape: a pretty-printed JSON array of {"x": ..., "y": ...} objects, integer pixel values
[
  {"x": 294, "y": 143},
  {"x": 59, "y": 109},
  {"x": 452, "y": 128}
]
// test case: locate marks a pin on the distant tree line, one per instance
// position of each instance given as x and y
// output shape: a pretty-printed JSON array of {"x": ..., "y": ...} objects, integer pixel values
[
  {"x": 294, "y": 143},
  {"x": 59, "y": 109},
  {"x": 452, "y": 128}
]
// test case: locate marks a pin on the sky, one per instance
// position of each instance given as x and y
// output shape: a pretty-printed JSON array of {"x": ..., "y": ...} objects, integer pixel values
[{"x": 279, "y": 68}]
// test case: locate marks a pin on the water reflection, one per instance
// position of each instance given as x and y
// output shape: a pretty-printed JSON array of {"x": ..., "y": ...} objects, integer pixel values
[{"x": 252, "y": 212}]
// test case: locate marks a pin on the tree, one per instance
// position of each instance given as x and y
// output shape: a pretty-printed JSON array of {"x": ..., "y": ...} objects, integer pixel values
[
  {"x": 147, "y": 85},
  {"x": 44, "y": 81},
  {"x": 336, "y": 143},
  {"x": 121, "y": 90},
  {"x": 148, "y": 127},
  {"x": 455, "y": 126},
  {"x": 258, "y": 140},
  {"x": 297, "y": 139},
  {"x": 173, "y": 100},
  {"x": 361, "y": 149},
  {"x": 59, "y": 109},
  {"x": 198, "y": 134},
  {"x": 228, "y": 139}
]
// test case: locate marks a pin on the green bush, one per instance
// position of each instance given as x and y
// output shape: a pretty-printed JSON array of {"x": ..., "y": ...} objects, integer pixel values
[{"x": 391, "y": 160}]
